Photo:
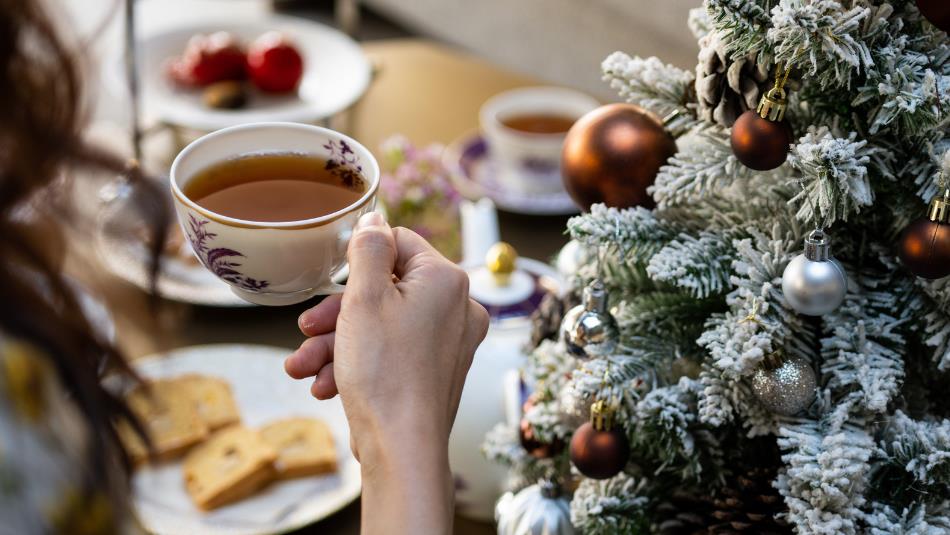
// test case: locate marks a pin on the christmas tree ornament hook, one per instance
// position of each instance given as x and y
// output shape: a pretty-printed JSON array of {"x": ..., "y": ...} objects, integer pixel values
[{"x": 773, "y": 103}]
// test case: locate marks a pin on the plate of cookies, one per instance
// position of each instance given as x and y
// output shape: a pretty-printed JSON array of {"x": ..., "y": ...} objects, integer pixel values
[{"x": 237, "y": 447}]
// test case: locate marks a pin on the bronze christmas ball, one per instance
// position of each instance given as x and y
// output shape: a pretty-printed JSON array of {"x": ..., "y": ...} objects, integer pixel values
[
  {"x": 925, "y": 248},
  {"x": 599, "y": 454},
  {"x": 612, "y": 155},
  {"x": 937, "y": 12},
  {"x": 759, "y": 143}
]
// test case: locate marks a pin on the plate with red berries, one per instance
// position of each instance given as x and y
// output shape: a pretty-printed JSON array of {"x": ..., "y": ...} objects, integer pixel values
[{"x": 219, "y": 74}]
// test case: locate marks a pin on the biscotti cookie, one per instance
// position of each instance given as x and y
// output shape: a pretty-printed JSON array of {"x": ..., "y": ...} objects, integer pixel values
[
  {"x": 304, "y": 447},
  {"x": 170, "y": 418},
  {"x": 214, "y": 399},
  {"x": 231, "y": 464}
]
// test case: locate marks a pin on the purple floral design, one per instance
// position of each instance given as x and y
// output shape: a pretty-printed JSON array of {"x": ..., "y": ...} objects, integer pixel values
[
  {"x": 344, "y": 163},
  {"x": 218, "y": 259}
]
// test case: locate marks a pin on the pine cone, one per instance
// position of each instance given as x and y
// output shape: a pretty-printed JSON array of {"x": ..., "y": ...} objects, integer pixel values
[
  {"x": 546, "y": 320},
  {"x": 747, "y": 504},
  {"x": 726, "y": 88}
]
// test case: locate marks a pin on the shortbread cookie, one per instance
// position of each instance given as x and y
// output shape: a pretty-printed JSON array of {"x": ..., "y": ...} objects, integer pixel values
[
  {"x": 170, "y": 418},
  {"x": 214, "y": 399},
  {"x": 304, "y": 447},
  {"x": 233, "y": 463}
]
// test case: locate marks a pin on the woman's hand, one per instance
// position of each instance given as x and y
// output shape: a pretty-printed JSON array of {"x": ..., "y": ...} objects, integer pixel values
[{"x": 396, "y": 346}]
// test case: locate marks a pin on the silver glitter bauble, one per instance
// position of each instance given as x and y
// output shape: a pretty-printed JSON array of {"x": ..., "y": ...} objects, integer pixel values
[
  {"x": 814, "y": 283},
  {"x": 540, "y": 509},
  {"x": 785, "y": 386},
  {"x": 589, "y": 330}
]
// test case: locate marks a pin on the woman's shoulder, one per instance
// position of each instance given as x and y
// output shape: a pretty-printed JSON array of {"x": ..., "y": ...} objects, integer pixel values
[{"x": 45, "y": 451}]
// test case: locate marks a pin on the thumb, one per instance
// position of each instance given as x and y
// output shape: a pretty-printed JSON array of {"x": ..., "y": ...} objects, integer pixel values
[{"x": 372, "y": 256}]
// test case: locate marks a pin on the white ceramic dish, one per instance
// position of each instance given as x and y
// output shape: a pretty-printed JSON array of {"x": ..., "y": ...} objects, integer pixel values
[
  {"x": 336, "y": 74},
  {"x": 264, "y": 393},
  {"x": 476, "y": 176}
]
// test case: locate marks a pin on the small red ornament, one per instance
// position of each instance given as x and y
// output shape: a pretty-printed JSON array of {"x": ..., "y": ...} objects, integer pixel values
[
  {"x": 531, "y": 444},
  {"x": 274, "y": 64},
  {"x": 612, "y": 155},
  {"x": 598, "y": 450},
  {"x": 760, "y": 139},
  {"x": 208, "y": 59},
  {"x": 937, "y": 12},
  {"x": 925, "y": 243}
]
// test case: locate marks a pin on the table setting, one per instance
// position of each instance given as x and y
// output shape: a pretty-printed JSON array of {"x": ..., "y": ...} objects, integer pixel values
[{"x": 449, "y": 191}]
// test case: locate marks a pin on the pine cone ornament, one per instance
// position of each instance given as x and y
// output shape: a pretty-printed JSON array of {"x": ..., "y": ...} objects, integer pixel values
[
  {"x": 747, "y": 504},
  {"x": 546, "y": 320},
  {"x": 725, "y": 88}
]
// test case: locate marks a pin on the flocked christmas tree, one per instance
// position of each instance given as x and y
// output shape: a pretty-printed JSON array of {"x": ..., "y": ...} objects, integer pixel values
[{"x": 745, "y": 401}]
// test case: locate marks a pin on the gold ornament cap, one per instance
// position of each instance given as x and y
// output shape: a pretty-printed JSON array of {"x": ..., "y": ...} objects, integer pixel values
[
  {"x": 500, "y": 261},
  {"x": 602, "y": 416},
  {"x": 939, "y": 210},
  {"x": 773, "y": 104}
]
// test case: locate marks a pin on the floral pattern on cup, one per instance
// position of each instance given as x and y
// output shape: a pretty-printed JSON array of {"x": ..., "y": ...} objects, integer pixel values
[
  {"x": 219, "y": 260},
  {"x": 344, "y": 163}
]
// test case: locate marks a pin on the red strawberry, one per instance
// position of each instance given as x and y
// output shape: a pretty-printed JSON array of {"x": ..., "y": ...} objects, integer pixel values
[
  {"x": 208, "y": 59},
  {"x": 274, "y": 64}
]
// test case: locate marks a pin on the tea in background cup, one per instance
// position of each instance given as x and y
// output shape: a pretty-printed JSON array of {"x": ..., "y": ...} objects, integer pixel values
[
  {"x": 269, "y": 207},
  {"x": 525, "y": 129}
]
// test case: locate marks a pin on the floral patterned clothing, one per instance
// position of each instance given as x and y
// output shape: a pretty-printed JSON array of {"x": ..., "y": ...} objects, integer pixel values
[{"x": 44, "y": 446}]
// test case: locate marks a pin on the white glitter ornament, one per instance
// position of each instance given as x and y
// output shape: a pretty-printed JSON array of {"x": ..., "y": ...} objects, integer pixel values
[
  {"x": 785, "y": 386},
  {"x": 541, "y": 509},
  {"x": 814, "y": 283}
]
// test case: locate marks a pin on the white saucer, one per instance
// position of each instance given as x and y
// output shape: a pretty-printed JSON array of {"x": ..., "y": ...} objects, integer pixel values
[
  {"x": 336, "y": 74},
  {"x": 469, "y": 161}
]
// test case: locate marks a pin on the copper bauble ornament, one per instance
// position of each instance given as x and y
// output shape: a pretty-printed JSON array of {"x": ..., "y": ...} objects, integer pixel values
[
  {"x": 598, "y": 449},
  {"x": 760, "y": 139},
  {"x": 937, "y": 12},
  {"x": 612, "y": 155},
  {"x": 925, "y": 244}
]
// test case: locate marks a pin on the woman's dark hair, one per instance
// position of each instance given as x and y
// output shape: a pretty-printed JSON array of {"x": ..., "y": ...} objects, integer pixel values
[{"x": 41, "y": 120}]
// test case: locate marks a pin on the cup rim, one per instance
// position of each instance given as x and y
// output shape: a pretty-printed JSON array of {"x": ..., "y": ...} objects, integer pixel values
[
  {"x": 491, "y": 110},
  {"x": 296, "y": 224}
]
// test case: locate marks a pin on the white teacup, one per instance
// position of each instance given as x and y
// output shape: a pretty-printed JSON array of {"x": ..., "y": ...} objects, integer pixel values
[
  {"x": 272, "y": 263},
  {"x": 529, "y": 162}
]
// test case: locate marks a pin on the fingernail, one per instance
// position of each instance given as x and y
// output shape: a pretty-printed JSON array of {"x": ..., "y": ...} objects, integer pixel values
[{"x": 371, "y": 219}]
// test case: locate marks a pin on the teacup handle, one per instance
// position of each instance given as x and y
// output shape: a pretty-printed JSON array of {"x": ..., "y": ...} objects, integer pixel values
[{"x": 331, "y": 288}]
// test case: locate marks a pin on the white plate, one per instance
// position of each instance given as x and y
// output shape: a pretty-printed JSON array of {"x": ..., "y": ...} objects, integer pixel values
[
  {"x": 336, "y": 74},
  {"x": 469, "y": 161},
  {"x": 177, "y": 280},
  {"x": 264, "y": 393}
]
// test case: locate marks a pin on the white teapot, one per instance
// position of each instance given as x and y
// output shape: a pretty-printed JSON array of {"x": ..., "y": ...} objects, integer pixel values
[{"x": 511, "y": 289}]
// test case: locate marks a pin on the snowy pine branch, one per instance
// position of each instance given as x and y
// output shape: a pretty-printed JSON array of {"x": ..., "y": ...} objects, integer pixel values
[
  {"x": 700, "y": 265},
  {"x": 918, "y": 519},
  {"x": 820, "y": 38},
  {"x": 916, "y": 455},
  {"x": 835, "y": 176},
  {"x": 825, "y": 477},
  {"x": 634, "y": 231},
  {"x": 649, "y": 83},
  {"x": 743, "y": 24},
  {"x": 610, "y": 507},
  {"x": 698, "y": 170}
]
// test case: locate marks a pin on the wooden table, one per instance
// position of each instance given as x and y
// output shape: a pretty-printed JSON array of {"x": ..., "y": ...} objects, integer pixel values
[{"x": 423, "y": 90}]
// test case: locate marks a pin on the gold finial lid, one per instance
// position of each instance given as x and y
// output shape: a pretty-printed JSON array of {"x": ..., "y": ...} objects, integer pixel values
[{"x": 500, "y": 261}]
